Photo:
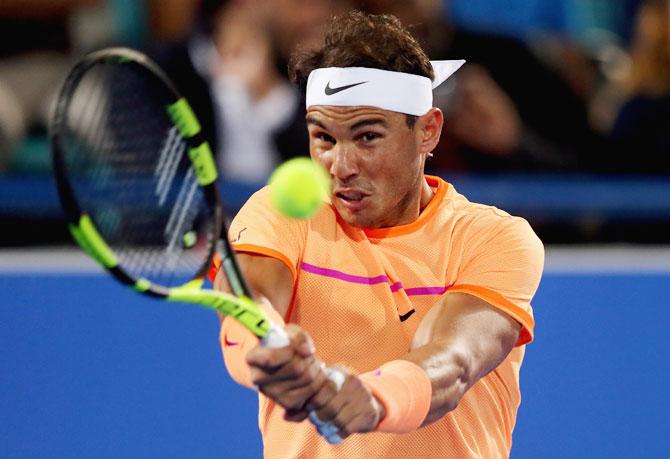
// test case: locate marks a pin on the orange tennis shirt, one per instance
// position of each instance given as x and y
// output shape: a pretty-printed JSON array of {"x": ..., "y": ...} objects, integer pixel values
[{"x": 361, "y": 294}]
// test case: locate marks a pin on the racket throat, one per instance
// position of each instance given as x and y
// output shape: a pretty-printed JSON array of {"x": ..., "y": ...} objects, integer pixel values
[{"x": 237, "y": 285}]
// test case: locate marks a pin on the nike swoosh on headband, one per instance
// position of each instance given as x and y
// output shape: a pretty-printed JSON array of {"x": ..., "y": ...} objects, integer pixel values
[{"x": 330, "y": 91}]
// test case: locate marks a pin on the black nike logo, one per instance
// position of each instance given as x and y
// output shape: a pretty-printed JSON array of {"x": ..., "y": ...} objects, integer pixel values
[
  {"x": 407, "y": 315},
  {"x": 330, "y": 91}
]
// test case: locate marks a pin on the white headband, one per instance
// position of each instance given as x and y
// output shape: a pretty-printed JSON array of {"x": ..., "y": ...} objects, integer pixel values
[{"x": 361, "y": 86}]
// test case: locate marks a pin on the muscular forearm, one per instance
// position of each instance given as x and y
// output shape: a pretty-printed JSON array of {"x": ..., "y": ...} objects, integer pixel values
[
  {"x": 451, "y": 373},
  {"x": 459, "y": 342}
]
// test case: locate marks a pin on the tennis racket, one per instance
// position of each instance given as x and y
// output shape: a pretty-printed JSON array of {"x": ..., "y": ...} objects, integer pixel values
[{"x": 138, "y": 184}]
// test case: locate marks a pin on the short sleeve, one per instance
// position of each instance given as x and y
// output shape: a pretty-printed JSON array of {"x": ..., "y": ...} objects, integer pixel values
[
  {"x": 258, "y": 228},
  {"x": 502, "y": 265}
]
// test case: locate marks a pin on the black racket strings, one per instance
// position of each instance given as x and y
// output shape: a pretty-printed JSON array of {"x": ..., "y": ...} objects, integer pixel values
[{"x": 130, "y": 171}]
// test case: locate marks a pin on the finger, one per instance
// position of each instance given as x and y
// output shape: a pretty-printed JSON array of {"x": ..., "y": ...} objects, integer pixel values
[
  {"x": 346, "y": 411},
  {"x": 299, "y": 371},
  {"x": 288, "y": 399},
  {"x": 298, "y": 397},
  {"x": 269, "y": 359},
  {"x": 363, "y": 422},
  {"x": 295, "y": 415},
  {"x": 328, "y": 411},
  {"x": 289, "y": 396},
  {"x": 300, "y": 340},
  {"x": 326, "y": 392},
  {"x": 357, "y": 401}
]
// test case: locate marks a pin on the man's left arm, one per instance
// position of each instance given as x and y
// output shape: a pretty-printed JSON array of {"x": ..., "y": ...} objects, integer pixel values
[
  {"x": 460, "y": 341},
  {"x": 457, "y": 343},
  {"x": 464, "y": 336}
]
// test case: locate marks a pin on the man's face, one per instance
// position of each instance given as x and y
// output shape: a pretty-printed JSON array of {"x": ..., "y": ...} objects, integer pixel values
[{"x": 375, "y": 161}]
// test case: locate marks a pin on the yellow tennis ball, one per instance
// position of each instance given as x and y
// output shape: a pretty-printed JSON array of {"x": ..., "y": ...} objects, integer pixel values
[{"x": 298, "y": 187}]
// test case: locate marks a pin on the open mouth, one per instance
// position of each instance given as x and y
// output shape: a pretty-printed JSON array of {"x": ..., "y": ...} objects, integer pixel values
[
  {"x": 351, "y": 196},
  {"x": 353, "y": 200}
]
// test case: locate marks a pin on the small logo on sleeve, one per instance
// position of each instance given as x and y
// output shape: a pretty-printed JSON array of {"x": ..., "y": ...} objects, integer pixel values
[
  {"x": 239, "y": 235},
  {"x": 228, "y": 343}
]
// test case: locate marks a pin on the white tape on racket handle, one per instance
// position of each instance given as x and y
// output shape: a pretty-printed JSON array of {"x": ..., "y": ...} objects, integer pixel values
[
  {"x": 275, "y": 338},
  {"x": 328, "y": 430}
]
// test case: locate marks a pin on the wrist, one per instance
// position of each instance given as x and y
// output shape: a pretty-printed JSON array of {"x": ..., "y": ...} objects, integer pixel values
[{"x": 403, "y": 391}]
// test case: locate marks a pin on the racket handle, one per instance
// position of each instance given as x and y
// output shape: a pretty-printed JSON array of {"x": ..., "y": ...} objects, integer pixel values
[
  {"x": 329, "y": 430},
  {"x": 277, "y": 337}
]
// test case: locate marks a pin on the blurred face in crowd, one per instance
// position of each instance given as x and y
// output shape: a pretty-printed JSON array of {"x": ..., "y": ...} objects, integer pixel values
[
  {"x": 653, "y": 29},
  {"x": 408, "y": 11},
  {"x": 650, "y": 49},
  {"x": 375, "y": 160},
  {"x": 282, "y": 23},
  {"x": 302, "y": 22}
]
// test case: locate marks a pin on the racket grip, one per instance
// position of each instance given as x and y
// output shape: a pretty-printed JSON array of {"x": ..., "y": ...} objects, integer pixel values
[
  {"x": 277, "y": 337},
  {"x": 329, "y": 430}
]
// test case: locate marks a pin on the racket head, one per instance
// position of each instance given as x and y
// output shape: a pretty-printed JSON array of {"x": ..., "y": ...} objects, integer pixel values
[{"x": 136, "y": 180}]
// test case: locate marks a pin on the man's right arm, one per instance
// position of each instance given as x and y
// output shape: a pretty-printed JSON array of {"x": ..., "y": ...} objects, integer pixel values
[
  {"x": 268, "y": 278},
  {"x": 289, "y": 375}
]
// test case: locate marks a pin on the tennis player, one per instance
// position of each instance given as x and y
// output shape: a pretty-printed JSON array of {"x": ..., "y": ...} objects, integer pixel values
[{"x": 420, "y": 298}]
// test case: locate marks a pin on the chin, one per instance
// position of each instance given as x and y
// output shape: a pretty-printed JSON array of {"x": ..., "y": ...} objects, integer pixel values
[
  {"x": 351, "y": 220},
  {"x": 358, "y": 220}
]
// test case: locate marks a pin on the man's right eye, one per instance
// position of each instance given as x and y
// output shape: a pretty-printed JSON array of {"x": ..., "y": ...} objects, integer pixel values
[{"x": 325, "y": 138}]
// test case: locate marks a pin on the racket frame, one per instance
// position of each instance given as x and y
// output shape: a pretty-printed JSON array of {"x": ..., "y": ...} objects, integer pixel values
[{"x": 239, "y": 304}]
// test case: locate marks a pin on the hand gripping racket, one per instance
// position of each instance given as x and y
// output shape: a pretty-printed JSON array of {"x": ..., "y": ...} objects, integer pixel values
[{"x": 138, "y": 185}]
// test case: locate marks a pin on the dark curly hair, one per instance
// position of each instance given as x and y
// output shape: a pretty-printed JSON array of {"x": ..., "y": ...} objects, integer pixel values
[{"x": 358, "y": 39}]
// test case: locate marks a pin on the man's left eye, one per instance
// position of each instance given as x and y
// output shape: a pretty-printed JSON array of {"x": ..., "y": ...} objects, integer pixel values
[{"x": 369, "y": 136}]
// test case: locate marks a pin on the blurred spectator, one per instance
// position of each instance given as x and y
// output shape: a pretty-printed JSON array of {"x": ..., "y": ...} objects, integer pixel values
[
  {"x": 171, "y": 20},
  {"x": 505, "y": 109},
  {"x": 33, "y": 41},
  {"x": 596, "y": 22},
  {"x": 37, "y": 40},
  {"x": 635, "y": 108},
  {"x": 233, "y": 70}
]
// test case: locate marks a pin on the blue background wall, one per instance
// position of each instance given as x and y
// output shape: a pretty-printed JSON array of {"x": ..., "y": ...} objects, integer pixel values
[
  {"x": 522, "y": 18},
  {"x": 88, "y": 369}
]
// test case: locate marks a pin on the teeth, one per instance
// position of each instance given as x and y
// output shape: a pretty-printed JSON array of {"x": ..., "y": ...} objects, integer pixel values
[{"x": 351, "y": 196}]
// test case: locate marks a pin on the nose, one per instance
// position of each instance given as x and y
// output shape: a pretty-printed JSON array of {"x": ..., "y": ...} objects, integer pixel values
[{"x": 344, "y": 166}]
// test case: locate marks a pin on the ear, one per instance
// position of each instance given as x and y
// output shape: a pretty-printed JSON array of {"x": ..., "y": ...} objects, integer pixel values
[{"x": 428, "y": 130}]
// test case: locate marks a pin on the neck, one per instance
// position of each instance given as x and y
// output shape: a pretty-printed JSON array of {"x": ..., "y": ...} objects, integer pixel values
[
  {"x": 417, "y": 202},
  {"x": 410, "y": 207},
  {"x": 427, "y": 194}
]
